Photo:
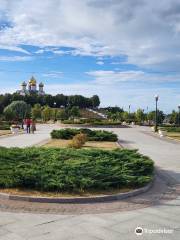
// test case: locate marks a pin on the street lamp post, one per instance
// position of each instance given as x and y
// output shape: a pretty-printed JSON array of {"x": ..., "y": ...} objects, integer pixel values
[
  {"x": 179, "y": 116},
  {"x": 129, "y": 112},
  {"x": 55, "y": 112},
  {"x": 156, "y": 115}
]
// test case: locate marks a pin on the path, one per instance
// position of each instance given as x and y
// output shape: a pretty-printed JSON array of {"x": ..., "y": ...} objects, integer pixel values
[
  {"x": 113, "y": 225},
  {"x": 165, "y": 153},
  {"x": 27, "y": 140}
]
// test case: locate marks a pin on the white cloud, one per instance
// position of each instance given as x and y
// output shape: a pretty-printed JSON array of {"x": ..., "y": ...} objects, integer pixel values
[
  {"x": 15, "y": 58},
  {"x": 53, "y": 74},
  {"x": 98, "y": 28},
  {"x": 115, "y": 77},
  {"x": 100, "y": 62}
]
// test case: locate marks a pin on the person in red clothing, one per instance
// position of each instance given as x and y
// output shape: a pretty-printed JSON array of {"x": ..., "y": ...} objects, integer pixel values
[{"x": 28, "y": 125}]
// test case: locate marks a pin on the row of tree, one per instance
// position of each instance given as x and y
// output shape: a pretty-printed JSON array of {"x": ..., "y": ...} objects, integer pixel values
[
  {"x": 118, "y": 114},
  {"x": 19, "y": 110},
  {"x": 58, "y": 100}
]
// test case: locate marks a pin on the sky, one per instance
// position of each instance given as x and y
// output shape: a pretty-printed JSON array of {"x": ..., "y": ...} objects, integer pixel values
[{"x": 126, "y": 51}]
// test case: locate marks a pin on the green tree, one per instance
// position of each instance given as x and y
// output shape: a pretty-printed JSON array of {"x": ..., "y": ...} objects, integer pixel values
[
  {"x": 62, "y": 114},
  {"x": 9, "y": 114},
  {"x": 47, "y": 113},
  {"x": 95, "y": 101},
  {"x": 174, "y": 117},
  {"x": 36, "y": 111},
  {"x": 19, "y": 108},
  {"x": 74, "y": 112},
  {"x": 139, "y": 115},
  {"x": 125, "y": 116}
]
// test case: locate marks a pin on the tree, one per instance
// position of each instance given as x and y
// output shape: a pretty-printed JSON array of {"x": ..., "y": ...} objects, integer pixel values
[
  {"x": 74, "y": 112},
  {"x": 36, "y": 111},
  {"x": 95, "y": 101},
  {"x": 151, "y": 116},
  {"x": 139, "y": 115},
  {"x": 46, "y": 113},
  {"x": 19, "y": 108},
  {"x": 125, "y": 116},
  {"x": 9, "y": 114},
  {"x": 174, "y": 117},
  {"x": 62, "y": 114}
]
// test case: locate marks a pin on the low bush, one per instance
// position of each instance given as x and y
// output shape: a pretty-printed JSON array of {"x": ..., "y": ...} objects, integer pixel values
[
  {"x": 67, "y": 170},
  {"x": 92, "y": 135},
  {"x": 4, "y": 126},
  {"x": 93, "y": 122},
  {"x": 78, "y": 140},
  {"x": 171, "y": 129}
]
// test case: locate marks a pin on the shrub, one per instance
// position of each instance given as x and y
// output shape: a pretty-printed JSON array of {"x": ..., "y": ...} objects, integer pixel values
[
  {"x": 78, "y": 140},
  {"x": 92, "y": 135},
  {"x": 73, "y": 170},
  {"x": 93, "y": 122},
  {"x": 171, "y": 129}
]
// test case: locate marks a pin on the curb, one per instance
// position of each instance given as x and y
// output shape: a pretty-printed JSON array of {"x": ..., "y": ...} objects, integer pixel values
[{"x": 94, "y": 199}]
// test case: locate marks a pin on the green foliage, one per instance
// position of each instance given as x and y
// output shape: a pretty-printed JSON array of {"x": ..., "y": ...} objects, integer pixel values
[
  {"x": 36, "y": 111},
  {"x": 92, "y": 135},
  {"x": 93, "y": 122},
  {"x": 171, "y": 129},
  {"x": 49, "y": 100},
  {"x": 74, "y": 112},
  {"x": 47, "y": 113},
  {"x": 73, "y": 170},
  {"x": 5, "y": 125},
  {"x": 18, "y": 110}
]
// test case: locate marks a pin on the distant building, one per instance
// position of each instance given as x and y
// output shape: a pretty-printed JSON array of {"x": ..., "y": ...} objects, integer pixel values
[{"x": 32, "y": 87}]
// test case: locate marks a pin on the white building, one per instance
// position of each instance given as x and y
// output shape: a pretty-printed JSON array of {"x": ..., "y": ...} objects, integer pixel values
[{"x": 32, "y": 87}]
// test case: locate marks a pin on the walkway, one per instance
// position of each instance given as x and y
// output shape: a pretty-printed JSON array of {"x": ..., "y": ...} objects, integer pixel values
[{"x": 27, "y": 140}]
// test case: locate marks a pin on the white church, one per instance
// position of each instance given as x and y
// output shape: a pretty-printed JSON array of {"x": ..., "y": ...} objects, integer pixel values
[{"x": 32, "y": 87}]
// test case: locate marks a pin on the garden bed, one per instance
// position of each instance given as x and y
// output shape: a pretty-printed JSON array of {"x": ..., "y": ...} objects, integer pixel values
[
  {"x": 92, "y": 135},
  {"x": 61, "y": 143},
  {"x": 73, "y": 171}
]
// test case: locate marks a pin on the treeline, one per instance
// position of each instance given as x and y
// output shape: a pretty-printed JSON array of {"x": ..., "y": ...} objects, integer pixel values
[{"x": 58, "y": 100}]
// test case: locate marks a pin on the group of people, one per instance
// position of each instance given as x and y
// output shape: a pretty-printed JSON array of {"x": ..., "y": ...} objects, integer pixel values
[{"x": 30, "y": 125}]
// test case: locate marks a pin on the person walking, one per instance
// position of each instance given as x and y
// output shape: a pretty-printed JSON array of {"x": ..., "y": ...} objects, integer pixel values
[{"x": 28, "y": 125}]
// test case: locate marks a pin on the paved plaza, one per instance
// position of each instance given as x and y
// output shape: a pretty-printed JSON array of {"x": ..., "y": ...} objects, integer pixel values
[{"x": 113, "y": 225}]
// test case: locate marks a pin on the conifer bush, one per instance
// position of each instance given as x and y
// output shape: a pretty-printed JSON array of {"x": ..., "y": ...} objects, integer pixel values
[{"x": 73, "y": 170}]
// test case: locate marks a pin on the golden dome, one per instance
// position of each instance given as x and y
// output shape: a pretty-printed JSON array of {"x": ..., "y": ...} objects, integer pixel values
[{"x": 32, "y": 81}]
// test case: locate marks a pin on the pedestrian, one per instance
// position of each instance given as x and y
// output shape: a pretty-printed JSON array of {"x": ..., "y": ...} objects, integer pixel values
[
  {"x": 33, "y": 126},
  {"x": 28, "y": 125}
]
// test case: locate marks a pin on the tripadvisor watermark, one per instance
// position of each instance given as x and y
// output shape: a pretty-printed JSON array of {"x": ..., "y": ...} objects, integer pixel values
[{"x": 140, "y": 231}]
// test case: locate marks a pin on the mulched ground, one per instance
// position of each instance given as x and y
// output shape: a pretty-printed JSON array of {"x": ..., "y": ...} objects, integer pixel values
[{"x": 160, "y": 192}]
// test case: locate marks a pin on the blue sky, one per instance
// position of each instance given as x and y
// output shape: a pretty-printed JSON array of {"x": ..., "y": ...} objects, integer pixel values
[{"x": 109, "y": 48}]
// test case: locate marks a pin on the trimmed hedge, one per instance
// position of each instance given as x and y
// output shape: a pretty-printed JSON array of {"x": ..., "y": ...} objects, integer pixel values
[
  {"x": 68, "y": 170},
  {"x": 171, "y": 129},
  {"x": 92, "y": 135},
  {"x": 4, "y": 125},
  {"x": 92, "y": 122}
]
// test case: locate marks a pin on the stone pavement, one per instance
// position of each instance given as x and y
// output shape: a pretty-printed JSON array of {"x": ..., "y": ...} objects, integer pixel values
[
  {"x": 109, "y": 226},
  {"x": 27, "y": 140},
  {"x": 116, "y": 224}
]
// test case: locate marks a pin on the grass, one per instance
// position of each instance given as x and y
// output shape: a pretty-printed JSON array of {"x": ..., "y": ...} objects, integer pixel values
[{"x": 60, "y": 143}]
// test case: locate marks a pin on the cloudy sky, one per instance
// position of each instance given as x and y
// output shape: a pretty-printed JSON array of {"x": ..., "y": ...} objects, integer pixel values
[{"x": 126, "y": 51}]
